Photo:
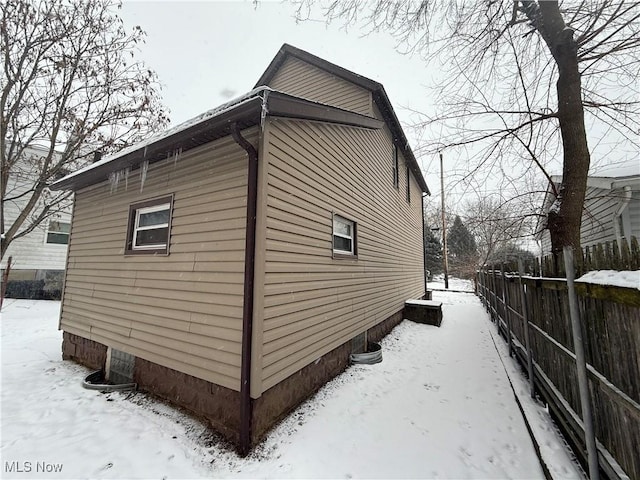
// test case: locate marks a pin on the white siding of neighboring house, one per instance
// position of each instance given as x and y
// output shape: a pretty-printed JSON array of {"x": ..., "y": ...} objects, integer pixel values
[
  {"x": 31, "y": 252},
  {"x": 545, "y": 242},
  {"x": 632, "y": 216},
  {"x": 598, "y": 218}
]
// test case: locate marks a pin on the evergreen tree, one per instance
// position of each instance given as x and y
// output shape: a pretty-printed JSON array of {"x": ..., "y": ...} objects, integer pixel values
[
  {"x": 433, "y": 252},
  {"x": 460, "y": 242},
  {"x": 463, "y": 258},
  {"x": 509, "y": 255}
]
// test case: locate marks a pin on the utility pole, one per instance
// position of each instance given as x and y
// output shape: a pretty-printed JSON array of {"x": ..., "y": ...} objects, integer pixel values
[{"x": 445, "y": 254}]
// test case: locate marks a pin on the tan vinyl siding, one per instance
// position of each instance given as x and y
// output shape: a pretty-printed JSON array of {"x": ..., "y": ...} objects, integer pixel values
[
  {"x": 314, "y": 303},
  {"x": 301, "y": 79},
  {"x": 183, "y": 310}
]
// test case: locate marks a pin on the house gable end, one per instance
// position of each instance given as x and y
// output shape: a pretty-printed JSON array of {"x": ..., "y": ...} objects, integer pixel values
[
  {"x": 302, "y": 79},
  {"x": 300, "y": 73}
]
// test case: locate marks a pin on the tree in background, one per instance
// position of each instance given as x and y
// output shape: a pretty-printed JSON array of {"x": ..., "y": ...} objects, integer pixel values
[
  {"x": 496, "y": 224},
  {"x": 71, "y": 86},
  {"x": 524, "y": 79},
  {"x": 432, "y": 251},
  {"x": 463, "y": 252},
  {"x": 509, "y": 254}
]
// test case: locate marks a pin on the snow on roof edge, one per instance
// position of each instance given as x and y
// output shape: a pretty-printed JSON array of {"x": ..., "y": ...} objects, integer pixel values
[{"x": 209, "y": 114}]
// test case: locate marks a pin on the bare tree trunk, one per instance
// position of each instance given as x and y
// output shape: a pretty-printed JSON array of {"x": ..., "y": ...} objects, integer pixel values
[
  {"x": 5, "y": 279},
  {"x": 564, "y": 224}
]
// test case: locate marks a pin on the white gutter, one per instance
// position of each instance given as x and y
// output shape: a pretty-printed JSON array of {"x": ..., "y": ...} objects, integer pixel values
[{"x": 616, "y": 216}]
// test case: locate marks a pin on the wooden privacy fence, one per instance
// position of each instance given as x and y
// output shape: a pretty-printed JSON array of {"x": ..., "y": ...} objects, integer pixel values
[
  {"x": 532, "y": 314},
  {"x": 601, "y": 256}
]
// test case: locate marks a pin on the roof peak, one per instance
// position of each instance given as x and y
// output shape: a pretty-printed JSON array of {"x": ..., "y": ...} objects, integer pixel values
[
  {"x": 377, "y": 91},
  {"x": 287, "y": 50}
]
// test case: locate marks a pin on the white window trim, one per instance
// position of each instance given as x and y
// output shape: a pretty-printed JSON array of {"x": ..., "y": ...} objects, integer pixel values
[
  {"x": 352, "y": 225},
  {"x": 137, "y": 228}
]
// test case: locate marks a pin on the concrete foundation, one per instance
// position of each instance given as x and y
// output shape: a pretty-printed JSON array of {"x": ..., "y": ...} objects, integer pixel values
[{"x": 220, "y": 406}]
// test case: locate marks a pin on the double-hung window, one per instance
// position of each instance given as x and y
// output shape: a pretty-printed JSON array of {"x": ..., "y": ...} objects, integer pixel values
[
  {"x": 344, "y": 236},
  {"x": 58, "y": 232},
  {"x": 149, "y": 226}
]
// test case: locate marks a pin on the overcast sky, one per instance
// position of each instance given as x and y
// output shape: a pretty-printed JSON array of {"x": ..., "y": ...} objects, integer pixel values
[{"x": 208, "y": 52}]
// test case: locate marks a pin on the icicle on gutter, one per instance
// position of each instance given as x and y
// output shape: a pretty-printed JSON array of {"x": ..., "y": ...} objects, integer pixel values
[
  {"x": 114, "y": 180},
  {"x": 265, "y": 110},
  {"x": 126, "y": 171},
  {"x": 116, "y": 177},
  {"x": 175, "y": 155},
  {"x": 143, "y": 173}
]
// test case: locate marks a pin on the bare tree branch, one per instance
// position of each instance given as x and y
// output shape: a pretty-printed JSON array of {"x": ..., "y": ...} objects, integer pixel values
[
  {"x": 70, "y": 85},
  {"x": 521, "y": 81}
]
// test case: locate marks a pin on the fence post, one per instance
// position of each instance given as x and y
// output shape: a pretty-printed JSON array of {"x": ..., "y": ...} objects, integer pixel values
[
  {"x": 5, "y": 279},
  {"x": 581, "y": 366},
  {"x": 525, "y": 319},
  {"x": 494, "y": 287},
  {"x": 507, "y": 317},
  {"x": 485, "y": 299}
]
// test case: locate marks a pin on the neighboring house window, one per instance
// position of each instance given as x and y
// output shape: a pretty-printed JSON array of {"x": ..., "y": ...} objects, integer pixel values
[
  {"x": 149, "y": 226},
  {"x": 58, "y": 232},
  {"x": 408, "y": 185},
  {"x": 344, "y": 236},
  {"x": 396, "y": 171}
]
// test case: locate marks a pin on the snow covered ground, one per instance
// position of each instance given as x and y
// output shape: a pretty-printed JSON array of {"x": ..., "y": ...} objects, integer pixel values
[
  {"x": 438, "y": 406},
  {"x": 454, "y": 284}
]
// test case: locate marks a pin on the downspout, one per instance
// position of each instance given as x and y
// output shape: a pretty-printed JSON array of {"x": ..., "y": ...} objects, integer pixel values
[
  {"x": 621, "y": 206},
  {"x": 247, "y": 306},
  {"x": 424, "y": 247}
]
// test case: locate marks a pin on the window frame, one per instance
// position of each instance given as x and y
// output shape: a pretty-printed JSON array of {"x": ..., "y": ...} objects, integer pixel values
[
  {"x": 148, "y": 206},
  {"x": 396, "y": 168},
  {"x": 338, "y": 253},
  {"x": 57, "y": 232},
  {"x": 408, "y": 184}
]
